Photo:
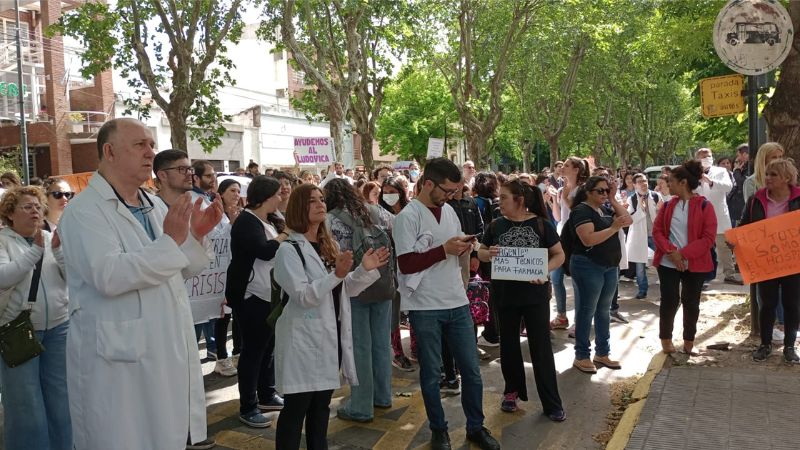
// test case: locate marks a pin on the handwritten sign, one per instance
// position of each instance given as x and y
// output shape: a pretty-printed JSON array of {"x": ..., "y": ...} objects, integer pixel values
[
  {"x": 207, "y": 289},
  {"x": 310, "y": 151},
  {"x": 767, "y": 249},
  {"x": 520, "y": 264},
  {"x": 435, "y": 148}
]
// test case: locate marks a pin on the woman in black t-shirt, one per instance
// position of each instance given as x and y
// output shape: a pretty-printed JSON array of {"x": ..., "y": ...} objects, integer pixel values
[
  {"x": 524, "y": 223},
  {"x": 594, "y": 265}
]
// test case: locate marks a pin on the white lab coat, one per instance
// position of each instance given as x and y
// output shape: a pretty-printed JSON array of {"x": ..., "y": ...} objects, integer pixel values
[
  {"x": 636, "y": 242},
  {"x": 717, "y": 195},
  {"x": 133, "y": 369},
  {"x": 306, "y": 350}
]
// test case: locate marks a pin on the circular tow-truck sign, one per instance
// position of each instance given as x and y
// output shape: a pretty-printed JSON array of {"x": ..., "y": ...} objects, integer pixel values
[{"x": 753, "y": 37}]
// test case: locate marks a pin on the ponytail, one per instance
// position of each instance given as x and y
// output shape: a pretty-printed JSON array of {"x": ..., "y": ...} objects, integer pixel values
[{"x": 531, "y": 197}]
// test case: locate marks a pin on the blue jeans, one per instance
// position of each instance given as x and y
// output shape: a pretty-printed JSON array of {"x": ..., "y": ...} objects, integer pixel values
[
  {"x": 372, "y": 352},
  {"x": 559, "y": 290},
  {"x": 594, "y": 287},
  {"x": 456, "y": 325},
  {"x": 207, "y": 328},
  {"x": 35, "y": 403},
  {"x": 641, "y": 270}
]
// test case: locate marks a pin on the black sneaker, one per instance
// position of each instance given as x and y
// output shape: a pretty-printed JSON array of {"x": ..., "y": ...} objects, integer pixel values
[
  {"x": 790, "y": 356},
  {"x": 440, "y": 440},
  {"x": 273, "y": 404},
  {"x": 449, "y": 388},
  {"x": 762, "y": 352},
  {"x": 483, "y": 438},
  {"x": 202, "y": 445}
]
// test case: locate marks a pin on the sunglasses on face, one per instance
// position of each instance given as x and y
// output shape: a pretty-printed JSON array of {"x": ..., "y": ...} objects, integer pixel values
[
  {"x": 58, "y": 195},
  {"x": 602, "y": 191}
]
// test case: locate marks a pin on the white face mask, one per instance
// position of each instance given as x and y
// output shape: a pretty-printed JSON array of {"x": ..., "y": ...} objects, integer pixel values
[
  {"x": 707, "y": 162},
  {"x": 391, "y": 199},
  {"x": 641, "y": 191}
]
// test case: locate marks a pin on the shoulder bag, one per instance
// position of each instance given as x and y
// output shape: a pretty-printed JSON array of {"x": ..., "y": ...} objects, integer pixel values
[{"x": 18, "y": 342}]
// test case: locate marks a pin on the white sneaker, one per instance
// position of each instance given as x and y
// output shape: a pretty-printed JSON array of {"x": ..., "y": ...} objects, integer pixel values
[
  {"x": 225, "y": 368},
  {"x": 777, "y": 335},
  {"x": 484, "y": 343}
]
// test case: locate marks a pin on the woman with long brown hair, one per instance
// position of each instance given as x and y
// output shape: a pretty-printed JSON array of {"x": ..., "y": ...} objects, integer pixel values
[
  {"x": 316, "y": 277},
  {"x": 575, "y": 171}
]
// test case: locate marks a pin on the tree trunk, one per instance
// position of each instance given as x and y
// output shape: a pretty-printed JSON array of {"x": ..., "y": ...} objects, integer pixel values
[
  {"x": 337, "y": 127},
  {"x": 553, "y": 143},
  {"x": 476, "y": 148},
  {"x": 177, "y": 130},
  {"x": 527, "y": 148},
  {"x": 366, "y": 151},
  {"x": 783, "y": 110}
]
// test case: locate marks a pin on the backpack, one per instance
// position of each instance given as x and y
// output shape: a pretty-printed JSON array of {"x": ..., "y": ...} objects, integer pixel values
[
  {"x": 371, "y": 237},
  {"x": 478, "y": 296},
  {"x": 278, "y": 297}
]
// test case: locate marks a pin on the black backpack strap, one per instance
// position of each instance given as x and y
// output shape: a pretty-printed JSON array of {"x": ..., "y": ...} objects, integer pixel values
[
  {"x": 299, "y": 252},
  {"x": 37, "y": 272}
]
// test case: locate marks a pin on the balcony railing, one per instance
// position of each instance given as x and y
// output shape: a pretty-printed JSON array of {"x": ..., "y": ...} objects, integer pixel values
[{"x": 86, "y": 121}]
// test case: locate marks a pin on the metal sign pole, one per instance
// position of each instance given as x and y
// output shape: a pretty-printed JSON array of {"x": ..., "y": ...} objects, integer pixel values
[{"x": 23, "y": 131}]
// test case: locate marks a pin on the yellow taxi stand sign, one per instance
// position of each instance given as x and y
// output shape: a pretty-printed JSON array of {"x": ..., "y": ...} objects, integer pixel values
[{"x": 722, "y": 96}]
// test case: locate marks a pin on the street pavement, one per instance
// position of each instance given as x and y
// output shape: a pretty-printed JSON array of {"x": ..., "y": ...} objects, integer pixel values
[{"x": 713, "y": 408}]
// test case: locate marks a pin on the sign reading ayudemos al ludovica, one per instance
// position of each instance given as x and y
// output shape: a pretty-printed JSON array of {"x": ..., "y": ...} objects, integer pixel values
[
  {"x": 311, "y": 151},
  {"x": 520, "y": 264},
  {"x": 753, "y": 37},
  {"x": 722, "y": 96}
]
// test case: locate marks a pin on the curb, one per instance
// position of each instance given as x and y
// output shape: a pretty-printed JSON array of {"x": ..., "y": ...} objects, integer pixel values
[{"x": 631, "y": 416}]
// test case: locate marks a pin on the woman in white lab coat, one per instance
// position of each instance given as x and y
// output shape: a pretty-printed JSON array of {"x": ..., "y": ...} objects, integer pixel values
[{"x": 313, "y": 336}]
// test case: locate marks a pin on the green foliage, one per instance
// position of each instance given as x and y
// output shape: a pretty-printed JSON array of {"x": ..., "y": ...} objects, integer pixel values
[
  {"x": 416, "y": 107},
  {"x": 172, "y": 52}
]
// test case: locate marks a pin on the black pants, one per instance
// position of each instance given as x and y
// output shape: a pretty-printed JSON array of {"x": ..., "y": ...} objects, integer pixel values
[
  {"x": 537, "y": 321},
  {"x": 221, "y": 336},
  {"x": 256, "y": 362},
  {"x": 679, "y": 288},
  {"x": 314, "y": 408},
  {"x": 789, "y": 295}
]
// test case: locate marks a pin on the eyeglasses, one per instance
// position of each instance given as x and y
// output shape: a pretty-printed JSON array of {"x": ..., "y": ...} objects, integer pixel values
[
  {"x": 183, "y": 170},
  {"x": 58, "y": 195},
  {"x": 446, "y": 192},
  {"x": 31, "y": 207},
  {"x": 602, "y": 191}
]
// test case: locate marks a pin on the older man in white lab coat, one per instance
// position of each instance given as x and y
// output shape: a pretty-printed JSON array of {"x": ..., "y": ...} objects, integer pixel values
[
  {"x": 714, "y": 186},
  {"x": 133, "y": 368}
]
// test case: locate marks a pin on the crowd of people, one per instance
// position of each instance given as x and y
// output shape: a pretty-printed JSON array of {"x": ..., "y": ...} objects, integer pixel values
[{"x": 324, "y": 272}]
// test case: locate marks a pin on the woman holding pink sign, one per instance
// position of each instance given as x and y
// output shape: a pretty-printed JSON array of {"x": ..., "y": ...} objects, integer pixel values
[
  {"x": 524, "y": 223},
  {"x": 779, "y": 196}
]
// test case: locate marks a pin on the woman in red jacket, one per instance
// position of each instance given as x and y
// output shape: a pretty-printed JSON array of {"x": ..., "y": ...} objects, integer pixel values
[{"x": 684, "y": 231}]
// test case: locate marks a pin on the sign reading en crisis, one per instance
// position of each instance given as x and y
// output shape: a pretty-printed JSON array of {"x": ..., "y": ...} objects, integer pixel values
[
  {"x": 722, "y": 96},
  {"x": 310, "y": 151}
]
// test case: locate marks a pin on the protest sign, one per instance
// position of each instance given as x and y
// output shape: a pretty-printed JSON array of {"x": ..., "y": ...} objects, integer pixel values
[
  {"x": 767, "y": 249},
  {"x": 402, "y": 165},
  {"x": 310, "y": 151},
  {"x": 520, "y": 264},
  {"x": 207, "y": 289},
  {"x": 435, "y": 148}
]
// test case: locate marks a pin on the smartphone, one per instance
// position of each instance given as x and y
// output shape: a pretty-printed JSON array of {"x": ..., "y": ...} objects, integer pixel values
[{"x": 469, "y": 237}]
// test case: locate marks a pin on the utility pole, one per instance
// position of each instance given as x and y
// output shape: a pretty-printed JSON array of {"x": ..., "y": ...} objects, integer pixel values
[
  {"x": 756, "y": 85},
  {"x": 23, "y": 131}
]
